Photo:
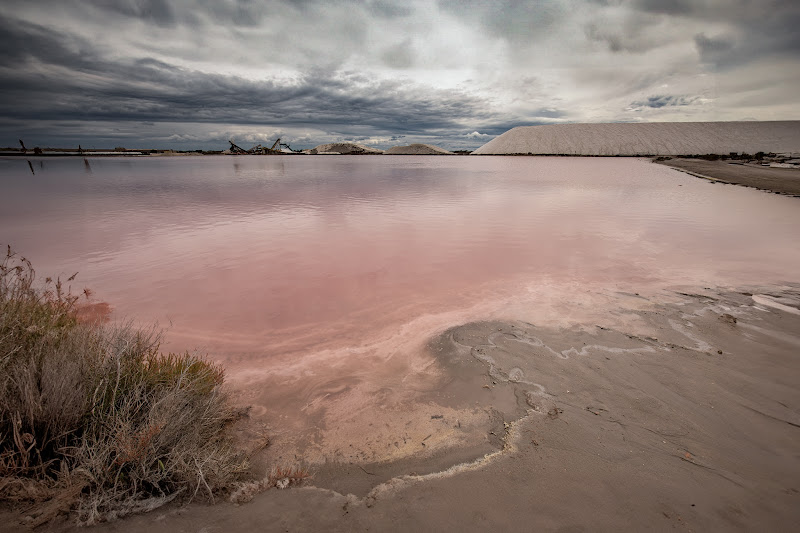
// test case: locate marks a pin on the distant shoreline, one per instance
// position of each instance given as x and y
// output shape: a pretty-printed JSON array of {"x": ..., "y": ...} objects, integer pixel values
[
  {"x": 785, "y": 181},
  {"x": 776, "y": 180}
]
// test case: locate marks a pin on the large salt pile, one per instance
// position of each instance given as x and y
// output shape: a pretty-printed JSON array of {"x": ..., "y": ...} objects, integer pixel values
[
  {"x": 344, "y": 148},
  {"x": 417, "y": 149},
  {"x": 654, "y": 138}
]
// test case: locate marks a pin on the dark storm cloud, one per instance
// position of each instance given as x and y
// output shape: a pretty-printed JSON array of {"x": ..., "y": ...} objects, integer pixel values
[
  {"x": 74, "y": 81},
  {"x": 389, "y": 9},
  {"x": 24, "y": 42},
  {"x": 318, "y": 70},
  {"x": 756, "y": 30},
  {"x": 240, "y": 12},
  {"x": 713, "y": 49},
  {"x": 156, "y": 11},
  {"x": 631, "y": 36},
  {"x": 667, "y": 7},
  {"x": 660, "y": 101},
  {"x": 766, "y": 36},
  {"x": 166, "y": 13}
]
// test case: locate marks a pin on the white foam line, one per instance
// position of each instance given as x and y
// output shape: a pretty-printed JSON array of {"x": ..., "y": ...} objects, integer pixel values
[
  {"x": 702, "y": 345},
  {"x": 405, "y": 481},
  {"x": 769, "y": 302},
  {"x": 530, "y": 340},
  {"x": 610, "y": 349}
]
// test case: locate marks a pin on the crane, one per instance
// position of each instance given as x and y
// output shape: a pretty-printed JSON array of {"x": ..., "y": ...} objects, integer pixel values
[
  {"x": 237, "y": 149},
  {"x": 263, "y": 150}
]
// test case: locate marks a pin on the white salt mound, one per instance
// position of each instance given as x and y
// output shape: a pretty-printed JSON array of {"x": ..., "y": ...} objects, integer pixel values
[
  {"x": 344, "y": 148},
  {"x": 417, "y": 149},
  {"x": 654, "y": 138}
]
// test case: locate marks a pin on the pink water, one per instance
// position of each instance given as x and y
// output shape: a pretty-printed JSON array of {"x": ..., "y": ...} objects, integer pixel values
[{"x": 268, "y": 262}]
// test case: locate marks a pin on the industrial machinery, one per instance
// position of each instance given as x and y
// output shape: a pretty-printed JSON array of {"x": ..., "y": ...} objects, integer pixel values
[{"x": 262, "y": 150}]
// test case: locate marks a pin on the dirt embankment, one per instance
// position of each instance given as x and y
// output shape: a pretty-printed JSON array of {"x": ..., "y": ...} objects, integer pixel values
[
  {"x": 343, "y": 148},
  {"x": 417, "y": 149},
  {"x": 647, "y": 138},
  {"x": 778, "y": 180},
  {"x": 687, "y": 418}
]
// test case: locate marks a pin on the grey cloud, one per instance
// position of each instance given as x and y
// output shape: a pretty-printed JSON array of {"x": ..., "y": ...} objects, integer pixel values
[
  {"x": 24, "y": 42},
  {"x": 547, "y": 113},
  {"x": 277, "y": 31},
  {"x": 500, "y": 127},
  {"x": 245, "y": 13},
  {"x": 156, "y": 11},
  {"x": 764, "y": 37},
  {"x": 171, "y": 13},
  {"x": 630, "y": 38},
  {"x": 508, "y": 19},
  {"x": 735, "y": 11},
  {"x": 756, "y": 30},
  {"x": 327, "y": 67},
  {"x": 668, "y": 7},
  {"x": 712, "y": 49},
  {"x": 98, "y": 89},
  {"x": 399, "y": 56},
  {"x": 595, "y": 33},
  {"x": 660, "y": 101},
  {"x": 388, "y": 9},
  {"x": 250, "y": 13}
]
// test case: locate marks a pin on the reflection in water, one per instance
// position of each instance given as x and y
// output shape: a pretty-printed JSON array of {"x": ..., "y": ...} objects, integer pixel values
[
  {"x": 87, "y": 166},
  {"x": 289, "y": 266},
  {"x": 238, "y": 261},
  {"x": 30, "y": 165}
]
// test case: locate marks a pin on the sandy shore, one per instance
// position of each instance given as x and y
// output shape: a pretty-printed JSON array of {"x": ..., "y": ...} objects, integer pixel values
[
  {"x": 687, "y": 418},
  {"x": 779, "y": 180}
]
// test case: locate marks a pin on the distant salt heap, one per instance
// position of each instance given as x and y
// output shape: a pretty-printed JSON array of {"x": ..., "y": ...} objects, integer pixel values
[
  {"x": 417, "y": 149},
  {"x": 654, "y": 138},
  {"x": 343, "y": 148}
]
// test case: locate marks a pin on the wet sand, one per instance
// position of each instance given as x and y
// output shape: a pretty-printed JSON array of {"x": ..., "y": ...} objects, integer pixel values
[
  {"x": 779, "y": 180},
  {"x": 677, "y": 409}
]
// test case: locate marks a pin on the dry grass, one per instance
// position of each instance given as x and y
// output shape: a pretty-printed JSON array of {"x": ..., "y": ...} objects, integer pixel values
[
  {"x": 283, "y": 477},
  {"x": 95, "y": 419},
  {"x": 280, "y": 477}
]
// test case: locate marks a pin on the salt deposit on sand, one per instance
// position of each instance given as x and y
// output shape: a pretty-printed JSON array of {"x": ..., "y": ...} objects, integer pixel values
[
  {"x": 417, "y": 149},
  {"x": 676, "y": 411},
  {"x": 658, "y": 138},
  {"x": 344, "y": 148}
]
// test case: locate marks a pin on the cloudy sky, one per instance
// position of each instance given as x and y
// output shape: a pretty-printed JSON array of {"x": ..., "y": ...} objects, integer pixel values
[{"x": 192, "y": 74}]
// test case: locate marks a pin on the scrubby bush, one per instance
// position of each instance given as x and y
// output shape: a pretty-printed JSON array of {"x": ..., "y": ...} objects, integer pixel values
[{"x": 94, "y": 418}]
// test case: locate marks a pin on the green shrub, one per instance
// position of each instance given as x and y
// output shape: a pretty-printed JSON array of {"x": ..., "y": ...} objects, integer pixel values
[{"x": 95, "y": 418}]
